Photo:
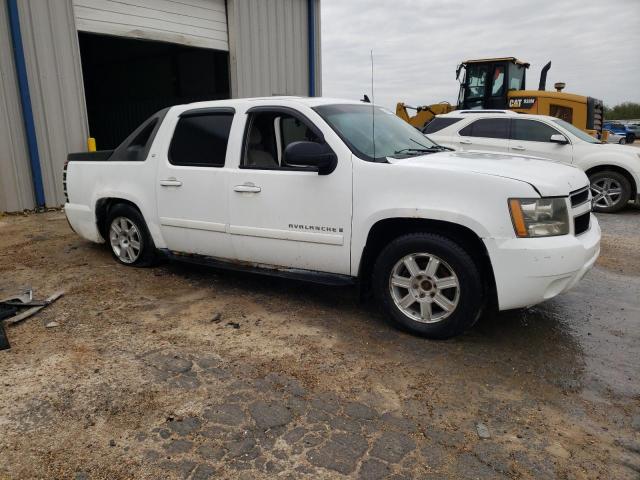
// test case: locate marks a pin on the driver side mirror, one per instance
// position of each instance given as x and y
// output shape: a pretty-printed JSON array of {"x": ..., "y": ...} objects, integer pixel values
[
  {"x": 311, "y": 154},
  {"x": 557, "y": 138}
]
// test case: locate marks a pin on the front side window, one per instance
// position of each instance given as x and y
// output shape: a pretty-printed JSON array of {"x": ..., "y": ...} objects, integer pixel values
[
  {"x": 531, "y": 131},
  {"x": 487, "y": 128},
  {"x": 584, "y": 136},
  {"x": 200, "y": 140},
  {"x": 268, "y": 135},
  {"x": 374, "y": 133}
]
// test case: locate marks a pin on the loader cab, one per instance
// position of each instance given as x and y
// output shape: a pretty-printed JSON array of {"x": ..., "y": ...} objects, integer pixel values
[{"x": 486, "y": 83}]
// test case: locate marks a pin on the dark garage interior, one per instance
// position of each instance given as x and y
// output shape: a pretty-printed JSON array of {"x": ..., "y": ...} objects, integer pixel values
[{"x": 127, "y": 80}]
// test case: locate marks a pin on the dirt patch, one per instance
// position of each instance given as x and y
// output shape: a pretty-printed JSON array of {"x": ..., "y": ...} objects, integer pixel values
[{"x": 187, "y": 372}]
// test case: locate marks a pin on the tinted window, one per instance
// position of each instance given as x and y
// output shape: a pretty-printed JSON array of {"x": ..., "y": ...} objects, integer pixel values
[
  {"x": 201, "y": 140},
  {"x": 531, "y": 131},
  {"x": 438, "y": 124},
  {"x": 487, "y": 128}
]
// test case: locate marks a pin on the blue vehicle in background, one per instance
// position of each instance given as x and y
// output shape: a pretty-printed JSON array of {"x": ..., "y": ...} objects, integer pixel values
[{"x": 620, "y": 129}]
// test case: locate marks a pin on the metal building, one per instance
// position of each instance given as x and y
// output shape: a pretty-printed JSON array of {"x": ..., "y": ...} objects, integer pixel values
[{"x": 71, "y": 69}]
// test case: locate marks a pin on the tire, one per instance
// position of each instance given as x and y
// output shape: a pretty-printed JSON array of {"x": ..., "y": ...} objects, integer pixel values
[
  {"x": 128, "y": 237},
  {"x": 622, "y": 141},
  {"x": 611, "y": 191},
  {"x": 425, "y": 316}
]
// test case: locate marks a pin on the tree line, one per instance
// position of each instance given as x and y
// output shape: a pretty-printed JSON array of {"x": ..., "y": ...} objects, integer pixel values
[{"x": 624, "y": 111}]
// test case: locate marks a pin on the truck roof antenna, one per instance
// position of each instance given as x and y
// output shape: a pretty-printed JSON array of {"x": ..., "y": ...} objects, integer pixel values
[{"x": 373, "y": 110}]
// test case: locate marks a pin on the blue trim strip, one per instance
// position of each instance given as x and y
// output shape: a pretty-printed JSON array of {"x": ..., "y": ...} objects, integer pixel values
[
  {"x": 25, "y": 100},
  {"x": 311, "y": 18}
]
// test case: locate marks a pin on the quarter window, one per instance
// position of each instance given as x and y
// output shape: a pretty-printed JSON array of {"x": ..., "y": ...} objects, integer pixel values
[
  {"x": 200, "y": 140},
  {"x": 531, "y": 131},
  {"x": 487, "y": 128}
]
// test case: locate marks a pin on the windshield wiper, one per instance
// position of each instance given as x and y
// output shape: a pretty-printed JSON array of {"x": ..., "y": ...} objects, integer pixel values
[{"x": 433, "y": 149}]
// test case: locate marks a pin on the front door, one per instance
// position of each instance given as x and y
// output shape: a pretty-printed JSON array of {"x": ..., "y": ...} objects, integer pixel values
[
  {"x": 531, "y": 137},
  {"x": 287, "y": 216},
  {"x": 192, "y": 184}
]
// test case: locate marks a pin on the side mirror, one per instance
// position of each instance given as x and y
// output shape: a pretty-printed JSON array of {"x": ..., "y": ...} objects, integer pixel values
[
  {"x": 311, "y": 154},
  {"x": 557, "y": 138}
]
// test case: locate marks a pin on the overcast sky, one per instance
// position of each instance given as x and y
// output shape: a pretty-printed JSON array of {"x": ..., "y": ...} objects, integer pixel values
[{"x": 594, "y": 45}]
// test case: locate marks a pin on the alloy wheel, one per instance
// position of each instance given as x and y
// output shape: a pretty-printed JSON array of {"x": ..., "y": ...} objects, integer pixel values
[
  {"x": 424, "y": 287},
  {"x": 125, "y": 238}
]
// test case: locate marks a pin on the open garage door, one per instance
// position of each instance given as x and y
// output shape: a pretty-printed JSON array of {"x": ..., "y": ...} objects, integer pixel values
[
  {"x": 140, "y": 56},
  {"x": 127, "y": 80}
]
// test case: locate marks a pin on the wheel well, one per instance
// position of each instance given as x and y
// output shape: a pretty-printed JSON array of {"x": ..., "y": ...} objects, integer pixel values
[
  {"x": 385, "y": 231},
  {"x": 102, "y": 212},
  {"x": 620, "y": 170}
]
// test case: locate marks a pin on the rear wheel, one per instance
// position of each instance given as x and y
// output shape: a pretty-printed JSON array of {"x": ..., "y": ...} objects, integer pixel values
[
  {"x": 429, "y": 285},
  {"x": 622, "y": 141},
  {"x": 129, "y": 238},
  {"x": 611, "y": 191}
]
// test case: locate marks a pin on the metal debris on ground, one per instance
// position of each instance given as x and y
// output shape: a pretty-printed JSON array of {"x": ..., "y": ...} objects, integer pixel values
[{"x": 20, "y": 307}]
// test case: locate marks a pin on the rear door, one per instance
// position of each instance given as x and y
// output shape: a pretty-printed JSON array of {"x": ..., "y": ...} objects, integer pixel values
[
  {"x": 486, "y": 134},
  {"x": 531, "y": 137},
  {"x": 191, "y": 182}
]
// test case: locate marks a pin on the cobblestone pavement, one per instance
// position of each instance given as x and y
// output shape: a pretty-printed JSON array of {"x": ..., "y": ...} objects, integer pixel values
[{"x": 182, "y": 372}]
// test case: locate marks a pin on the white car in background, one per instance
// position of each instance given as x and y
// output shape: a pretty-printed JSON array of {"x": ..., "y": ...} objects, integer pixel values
[
  {"x": 615, "y": 138},
  {"x": 613, "y": 170}
]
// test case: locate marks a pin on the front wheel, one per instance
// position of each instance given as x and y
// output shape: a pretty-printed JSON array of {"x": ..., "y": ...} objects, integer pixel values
[
  {"x": 611, "y": 191},
  {"x": 429, "y": 285}
]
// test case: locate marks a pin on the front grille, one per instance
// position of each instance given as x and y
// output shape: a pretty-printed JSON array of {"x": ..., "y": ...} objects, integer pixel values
[
  {"x": 579, "y": 197},
  {"x": 581, "y": 223}
]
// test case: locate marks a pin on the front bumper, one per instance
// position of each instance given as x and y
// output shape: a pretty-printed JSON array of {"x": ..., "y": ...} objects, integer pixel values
[{"x": 530, "y": 270}]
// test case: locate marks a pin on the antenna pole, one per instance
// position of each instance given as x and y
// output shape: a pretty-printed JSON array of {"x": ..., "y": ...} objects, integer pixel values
[{"x": 373, "y": 110}]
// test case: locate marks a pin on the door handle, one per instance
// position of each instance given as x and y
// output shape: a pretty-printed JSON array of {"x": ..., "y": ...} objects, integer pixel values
[
  {"x": 171, "y": 182},
  {"x": 465, "y": 142},
  {"x": 518, "y": 147},
  {"x": 247, "y": 188}
]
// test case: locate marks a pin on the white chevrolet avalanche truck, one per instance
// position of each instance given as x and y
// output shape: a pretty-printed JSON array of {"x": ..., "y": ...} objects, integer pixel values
[{"x": 334, "y": 191}]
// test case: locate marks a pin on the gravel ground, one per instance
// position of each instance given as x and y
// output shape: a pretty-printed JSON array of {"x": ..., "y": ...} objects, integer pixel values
[{"x": 187, "y": 372}]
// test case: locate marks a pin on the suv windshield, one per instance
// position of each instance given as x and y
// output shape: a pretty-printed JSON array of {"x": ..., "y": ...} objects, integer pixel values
[
  {"x": 576, "y": 131},
  {"x": 393, "y": 137}
]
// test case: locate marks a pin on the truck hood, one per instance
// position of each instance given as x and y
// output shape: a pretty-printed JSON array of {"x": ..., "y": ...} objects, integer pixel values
[{"x": 548, "y": 177}]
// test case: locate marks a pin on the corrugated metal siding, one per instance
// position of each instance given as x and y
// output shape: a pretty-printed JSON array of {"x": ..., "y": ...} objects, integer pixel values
[
  {"x": 199, "y": 23},
  {"x": 16, "y": 189},
  {"x": 55, "y": 81},
  {"x": 268, "y": 47}
]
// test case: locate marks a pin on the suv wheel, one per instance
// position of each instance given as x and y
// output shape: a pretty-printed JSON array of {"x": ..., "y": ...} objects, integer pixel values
[
  {"x": 129, "y": 237},
  {"x": 429, "y": 285},
  {"x": 611, "y": 191}
]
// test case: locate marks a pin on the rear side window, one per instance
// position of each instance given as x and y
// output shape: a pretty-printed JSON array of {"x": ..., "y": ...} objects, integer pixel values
[
  {"x": 487, "y": 128},
  {"x": 531, "y": 131},
  {"x": 200, "y": 140},
  {"x": 438, "y": 124}
]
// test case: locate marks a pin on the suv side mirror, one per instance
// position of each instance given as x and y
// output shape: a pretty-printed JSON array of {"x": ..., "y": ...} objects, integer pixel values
[
  {"x": 311, "y": 154},
  {"x": 557, "y": 138}
]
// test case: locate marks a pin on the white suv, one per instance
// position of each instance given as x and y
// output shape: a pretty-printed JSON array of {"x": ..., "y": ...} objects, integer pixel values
[{"x": 613, "y": 170}]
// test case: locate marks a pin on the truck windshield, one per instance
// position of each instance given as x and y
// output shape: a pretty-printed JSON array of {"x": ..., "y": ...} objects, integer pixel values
[
  {"x": 393, "y": 137},
  {"x": 576, "y": 131}
]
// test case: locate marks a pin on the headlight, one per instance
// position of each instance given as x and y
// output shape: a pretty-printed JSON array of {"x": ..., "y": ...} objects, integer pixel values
[{"x": 539, "y": 217}]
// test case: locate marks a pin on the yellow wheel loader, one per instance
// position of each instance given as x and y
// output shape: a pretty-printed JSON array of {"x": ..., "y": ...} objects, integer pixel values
[{"x": 499, "y": 84}]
